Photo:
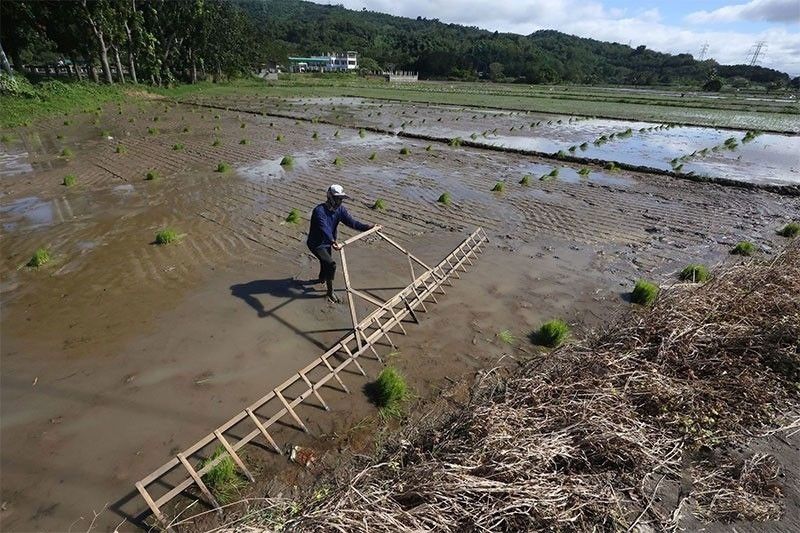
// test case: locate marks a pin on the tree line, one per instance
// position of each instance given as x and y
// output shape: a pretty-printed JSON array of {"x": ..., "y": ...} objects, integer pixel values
[
  {"x": 161, "y": 41},
  {"x": 154, "y": 41}
]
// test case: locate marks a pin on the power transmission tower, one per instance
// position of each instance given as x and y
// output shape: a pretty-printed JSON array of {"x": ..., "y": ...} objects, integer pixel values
[
  {"x": 703, "y": 52},
  {"x": 759, "y": 48}
]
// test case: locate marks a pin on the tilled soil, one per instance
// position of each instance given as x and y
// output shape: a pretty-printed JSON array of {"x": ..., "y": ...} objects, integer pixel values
[{"x": 119, "y": 353}]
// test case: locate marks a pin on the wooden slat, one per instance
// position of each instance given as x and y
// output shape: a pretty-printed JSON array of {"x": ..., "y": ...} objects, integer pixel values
[
  {"x": 233, "y": 454},
  {"x": 263, "y": 430},
  {"x": 199, "y": 483}
]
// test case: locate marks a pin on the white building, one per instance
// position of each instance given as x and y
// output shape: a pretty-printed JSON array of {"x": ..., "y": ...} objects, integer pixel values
[{"x": 332, "y": 62}]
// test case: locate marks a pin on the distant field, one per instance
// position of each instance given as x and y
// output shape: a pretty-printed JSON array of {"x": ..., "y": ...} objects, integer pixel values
[{"x": 746, "y": 112}]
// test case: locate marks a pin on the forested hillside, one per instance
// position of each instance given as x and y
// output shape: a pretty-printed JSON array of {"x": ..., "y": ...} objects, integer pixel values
[
  {"x": 443, "y": 50},
  {"x": 160, "y": 41}
]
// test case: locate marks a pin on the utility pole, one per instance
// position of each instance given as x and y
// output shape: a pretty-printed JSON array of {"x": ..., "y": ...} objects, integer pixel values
[
  {"x": 4, "y": 61},
  {"x": 703, "y": 52},
  {"x": 757, "y": 49}
]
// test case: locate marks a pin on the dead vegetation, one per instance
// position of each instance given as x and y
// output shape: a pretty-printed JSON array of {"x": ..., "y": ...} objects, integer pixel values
[{"x": 582, "y": 439}]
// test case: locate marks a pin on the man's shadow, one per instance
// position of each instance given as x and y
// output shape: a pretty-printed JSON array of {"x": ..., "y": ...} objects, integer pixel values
[{"x": 288, "y": 289}]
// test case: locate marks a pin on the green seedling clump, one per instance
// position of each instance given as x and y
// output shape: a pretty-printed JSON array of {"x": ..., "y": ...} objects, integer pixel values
[
  {"x": 315, "y": 135},
  {"x": 66, "y": 153},
  {"x": 39, "y": 258},
  {"x": 362, "y": 133},
  {"x": 611, "y": 166},
  {"x": 152, "y": 131},
  {"x": 644, "y": 292},
  {"x": 390, "y": 392},
  {"x": 279, "y": 138},
  {"x": 166, "y": 236},
  {"x": 455, "y": 141},
  {"x": 177, "y": 146},
  {"x": 404, "y": 150},
  {"x": 70, "y": 180},
  {"x": 379, "y": 204},
  {"x": 584, "y": 171},
  {"x": 287, "y": 161},
  {"x": 695, "y": 273},
  {"x": 499, "y": 187},
  {"x": 445, "y": 199},
  {"x": 216, "y": 142},
  {"x": 244, "y": 141},
  {"x": 428, "y": 148},
  {"x": 373, "y": 156},
  {"x": 526, "y": 180},
  {"x": 120, "y": 149},
  {"x": 506, "y": 337},
  {"x": 790, "y": 230},
  {"x": 552, "y": 333},
  {"x": 338, "y": 162},
  {"x": 293, "y": 217},
  {"x": 151, "y": 175},
  {"x": 223, "y": 167},
  {"x": 744, "y": 248},
  {"x": 222, "y": 479}
]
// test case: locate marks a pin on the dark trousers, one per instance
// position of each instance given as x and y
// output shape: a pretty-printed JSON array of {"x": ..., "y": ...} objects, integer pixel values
[{"x": 327, "y": 266}]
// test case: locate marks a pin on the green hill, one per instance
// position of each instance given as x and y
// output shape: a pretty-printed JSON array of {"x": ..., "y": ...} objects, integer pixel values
[{"x": 439, "y": 50}]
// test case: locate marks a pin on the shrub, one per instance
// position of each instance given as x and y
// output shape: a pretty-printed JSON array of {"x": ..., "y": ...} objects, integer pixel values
[
  {"x": 744, "y": 248},
  {"x": 445, "y": 198},
  {"x": 223, "y": 167},
  {"x": 390, "y": 391},
  {"x": 695, "y": 273},
  {"x": 293, "y": 217},
  {"x": 70, "y": 180},
  {"x": 379, "y": 204},
  {"x": 166, "y": 236},
  {"x": 552, "y": 333},
  {"x": 222, "y": 479},
  {"x": 151, "y": 175},
  {"x": 39, "y": 258},
  {"x": 790, "y": 230},
  {"x": 404, "y": 150},
  {"x": 526, "y": 180},
  {"x": 287, "y": 161},
  {"x": 66, "y": 153},
  {"x": 338, "y": 161},
  {"x": 177, "y": 146},
  {"x": 644, "y": 292},
  {"x": 499, "y": 187}
]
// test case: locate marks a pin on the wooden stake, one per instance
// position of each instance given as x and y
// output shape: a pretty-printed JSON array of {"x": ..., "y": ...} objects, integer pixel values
[
  {"x": 199, "y": 483},
  {"x": 234, "y": 456},
  {"x": 290, "y": 410},
  {"x": 314, "y": 390},
  {"x": 263, "y": 430}
]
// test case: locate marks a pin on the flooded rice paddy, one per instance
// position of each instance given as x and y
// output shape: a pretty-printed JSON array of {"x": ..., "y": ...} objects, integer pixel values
[{"x": 119, "y": 352}]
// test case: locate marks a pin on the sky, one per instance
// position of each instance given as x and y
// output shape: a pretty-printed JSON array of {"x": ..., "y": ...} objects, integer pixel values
[{"x": 729, "y": 27}]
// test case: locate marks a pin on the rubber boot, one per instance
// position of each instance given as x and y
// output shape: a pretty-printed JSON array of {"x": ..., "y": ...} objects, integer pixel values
[{"x": 331, "y": 295}]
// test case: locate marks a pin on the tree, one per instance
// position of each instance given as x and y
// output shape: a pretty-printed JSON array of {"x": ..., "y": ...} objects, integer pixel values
[
  {"x": 714, "y": 85},
  {"x": 496, "y": 71}
]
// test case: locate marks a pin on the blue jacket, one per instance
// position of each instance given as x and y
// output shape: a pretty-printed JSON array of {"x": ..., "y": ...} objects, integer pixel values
[{"x": 324, "y": 223}]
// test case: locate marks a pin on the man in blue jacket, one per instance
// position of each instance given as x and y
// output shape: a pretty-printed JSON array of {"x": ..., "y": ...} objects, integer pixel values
[{"x": 322, "y": 234}]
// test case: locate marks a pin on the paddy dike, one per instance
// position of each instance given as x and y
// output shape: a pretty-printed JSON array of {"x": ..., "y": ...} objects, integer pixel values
[{"x": 120, "y": 352}]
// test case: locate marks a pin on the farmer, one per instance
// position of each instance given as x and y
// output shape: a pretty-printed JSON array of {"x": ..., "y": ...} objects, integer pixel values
[{"x": 322, "y": 234}]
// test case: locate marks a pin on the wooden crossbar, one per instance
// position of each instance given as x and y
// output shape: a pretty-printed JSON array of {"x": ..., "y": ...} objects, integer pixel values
[{"x": 387, "y": 315}]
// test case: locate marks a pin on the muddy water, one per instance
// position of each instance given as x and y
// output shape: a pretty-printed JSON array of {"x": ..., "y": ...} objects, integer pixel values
[
  {"x": 120, "y": 352},
  {"x": 769, "y": 158}
]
